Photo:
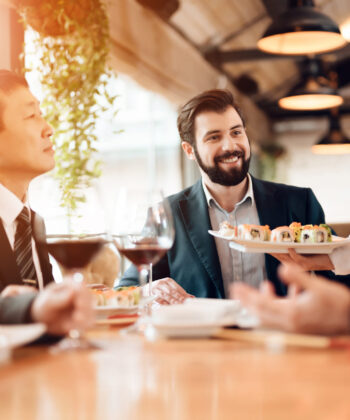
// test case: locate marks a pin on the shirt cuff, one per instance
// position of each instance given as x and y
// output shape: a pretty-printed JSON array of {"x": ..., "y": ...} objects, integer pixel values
[{"x": 340, "y": 258}]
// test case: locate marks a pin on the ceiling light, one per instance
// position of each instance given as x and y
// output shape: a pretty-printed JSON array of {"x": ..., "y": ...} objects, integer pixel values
[
  {"x": 314, "y": 92},
  {"x": 335, "y": 141},
  {"x": 345, "y": 29},
  {"x": 301, "y": 30}
]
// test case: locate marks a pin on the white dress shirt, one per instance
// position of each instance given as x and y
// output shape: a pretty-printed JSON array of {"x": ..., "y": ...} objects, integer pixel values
[
  {"x": 235, "y": 265},
  {"x": 341, "y": 259},
  {"x": 10, "y": 207}
]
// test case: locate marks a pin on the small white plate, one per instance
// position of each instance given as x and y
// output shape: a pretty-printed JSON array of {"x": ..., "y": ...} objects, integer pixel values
[
  {"x": 186, "y": 331},
  {"x": 268, "y": 247},
  {"x": 17, "y": 335},
  {"x": 103, "y": 312}
]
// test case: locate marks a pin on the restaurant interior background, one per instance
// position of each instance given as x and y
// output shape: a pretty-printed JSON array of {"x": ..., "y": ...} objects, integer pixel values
[{"x": 165, "y": 55}]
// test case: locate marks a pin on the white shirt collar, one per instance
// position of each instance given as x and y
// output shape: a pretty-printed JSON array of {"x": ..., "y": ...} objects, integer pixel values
[
  {"x": 10, "y": 205},
  {"x": 249, "y": 193}
]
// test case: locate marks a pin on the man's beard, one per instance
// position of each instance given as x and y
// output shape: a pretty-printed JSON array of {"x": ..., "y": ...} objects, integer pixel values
[{"x": 230, "y": 177}]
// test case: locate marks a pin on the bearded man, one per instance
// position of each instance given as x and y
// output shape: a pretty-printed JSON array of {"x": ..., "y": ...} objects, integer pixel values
[{"x": 213, "y": 134}]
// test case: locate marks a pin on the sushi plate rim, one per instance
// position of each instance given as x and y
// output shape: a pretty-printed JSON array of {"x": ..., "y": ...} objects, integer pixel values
[{"x": 245, "y": 245}]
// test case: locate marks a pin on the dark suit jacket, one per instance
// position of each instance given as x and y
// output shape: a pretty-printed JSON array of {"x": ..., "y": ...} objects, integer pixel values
[
  {"x": 193, "y": 260},
  {"x": 9, "y": 272},
  {"x": 16, "y": 309}
]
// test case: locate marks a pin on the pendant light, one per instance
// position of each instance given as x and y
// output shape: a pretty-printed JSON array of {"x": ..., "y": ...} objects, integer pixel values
[
  {"x": 301, "y": 30},
  {"x": 335, "y": 141},
  {"x": 314, "y": 92}
]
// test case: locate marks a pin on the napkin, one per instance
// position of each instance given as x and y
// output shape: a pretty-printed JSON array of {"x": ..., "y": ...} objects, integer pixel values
[{"x": 198, "y": 312}]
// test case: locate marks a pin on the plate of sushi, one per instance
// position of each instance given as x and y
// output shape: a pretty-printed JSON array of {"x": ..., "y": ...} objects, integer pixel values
[
  {"x": 110, "y": 302},
  {"x": 307, "y": 239}
]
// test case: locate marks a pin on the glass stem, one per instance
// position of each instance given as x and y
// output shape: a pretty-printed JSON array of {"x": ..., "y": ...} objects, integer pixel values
[
  {"x": 143, "y": 277},
  {"x": 74, "y": 334},
  {"x": 150, "y": 279}
]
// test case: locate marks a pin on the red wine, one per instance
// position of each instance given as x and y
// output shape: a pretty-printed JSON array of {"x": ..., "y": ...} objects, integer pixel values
[
  {"x": 144, "y": 254},
  {"x": 74, "y": 253}
]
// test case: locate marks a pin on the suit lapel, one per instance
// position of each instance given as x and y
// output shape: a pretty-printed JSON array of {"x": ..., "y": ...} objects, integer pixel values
[
  {"x": 195, "y": 215},
  {"x": 270, "y": 210},
  {"x": 39, "y": 235},
  {"x": 9, "y": 272}
]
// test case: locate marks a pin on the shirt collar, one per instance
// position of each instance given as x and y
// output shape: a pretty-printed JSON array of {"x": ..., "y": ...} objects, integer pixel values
[
  {"x": 10, "y": 205},
  {"x": 249, "y": 194}
]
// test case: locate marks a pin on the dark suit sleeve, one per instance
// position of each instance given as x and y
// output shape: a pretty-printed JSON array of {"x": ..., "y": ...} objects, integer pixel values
[
  {"x": 316, "y": 216},
  {"x": 131, "y": 276},
  {"x": 16, "y": 309}
]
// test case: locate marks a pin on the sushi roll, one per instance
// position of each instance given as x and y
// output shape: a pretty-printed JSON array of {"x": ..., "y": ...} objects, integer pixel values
[
  {"x": 307, "y": 234},
  {"x": 227, "y": 230},
  {"x": 98, "y": 297},
  {"x": 320, "y": 234},
  {"x": 267, "y": 232},
  {"x": 111, "y": 298},
  {"x": 128, "y": 296},
  {"x": 314, "y": 234},
  {"x": 251, "y": 232},
  {"x": 329, "y": 231},
  {"x": 124, "y": 298},
  {"x": 296, "y": 228},
  {"x": 282, "y": 234}
]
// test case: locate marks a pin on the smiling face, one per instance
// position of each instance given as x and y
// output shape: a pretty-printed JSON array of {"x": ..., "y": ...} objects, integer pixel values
[
  {"x": 221, "y": 147},
  {"x": 25, "y": 146}
]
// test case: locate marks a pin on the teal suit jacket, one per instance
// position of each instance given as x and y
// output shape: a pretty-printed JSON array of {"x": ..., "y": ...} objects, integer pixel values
[{"x": 193, "y": 260}]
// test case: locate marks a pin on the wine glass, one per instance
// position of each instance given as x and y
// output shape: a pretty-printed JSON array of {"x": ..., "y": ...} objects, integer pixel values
[
  {"x": 73, "y": 239},
  {"x": 143, "y": 232}
]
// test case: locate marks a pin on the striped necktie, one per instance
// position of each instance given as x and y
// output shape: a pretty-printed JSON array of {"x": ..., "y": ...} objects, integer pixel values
[{"x": 23, "y": 246}]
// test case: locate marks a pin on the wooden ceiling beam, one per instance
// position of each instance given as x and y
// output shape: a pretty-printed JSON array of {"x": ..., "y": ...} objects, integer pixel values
[{"x": 160, "y": 59}]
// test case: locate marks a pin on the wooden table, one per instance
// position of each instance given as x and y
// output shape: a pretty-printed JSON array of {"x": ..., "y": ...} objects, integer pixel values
[{"x": 132, "y": 379}]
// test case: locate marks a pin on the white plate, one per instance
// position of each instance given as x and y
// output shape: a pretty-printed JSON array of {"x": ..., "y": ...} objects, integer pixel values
[
  {"x": 186, "y": 331},
  {"x": 267, "y": 247},
  {"x": 103, "y": 312},
  {"x": 17, "y": 335},
  {"x": 200, "y": 318},
  {"x": 198, "y": 330}
]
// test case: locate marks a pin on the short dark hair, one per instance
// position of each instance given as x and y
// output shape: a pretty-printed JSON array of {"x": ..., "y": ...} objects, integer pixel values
[
  {"x": 217, "y": 100},
  {"x": 9, "y": 81}
]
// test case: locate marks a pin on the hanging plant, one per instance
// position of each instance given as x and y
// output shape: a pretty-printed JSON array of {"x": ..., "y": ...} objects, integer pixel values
[{"x": 73, "y": 41}]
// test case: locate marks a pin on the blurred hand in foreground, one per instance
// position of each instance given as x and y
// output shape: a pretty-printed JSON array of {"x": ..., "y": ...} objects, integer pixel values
[
  {"x": 323, "y": 307},
  {"x": 15, "y": 290},
  {"x": 311, "y": 262},
  {"x": 168, "y": 292},
  {"x": 63, "y": 307}
]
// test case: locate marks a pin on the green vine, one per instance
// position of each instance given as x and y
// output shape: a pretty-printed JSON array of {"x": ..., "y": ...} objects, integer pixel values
[{"x": 73, "y": 40}]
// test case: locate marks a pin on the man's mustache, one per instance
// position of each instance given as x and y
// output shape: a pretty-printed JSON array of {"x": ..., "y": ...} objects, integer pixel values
[{"x": 228, "y": 155}]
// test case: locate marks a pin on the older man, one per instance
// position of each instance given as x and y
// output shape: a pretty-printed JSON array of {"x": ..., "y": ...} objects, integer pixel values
[{"x": 25, "y": 152}]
